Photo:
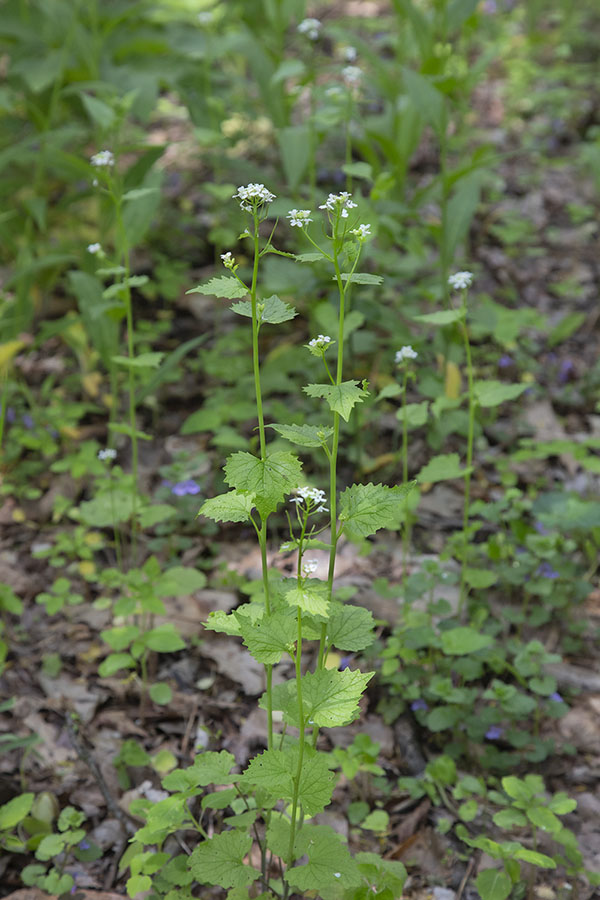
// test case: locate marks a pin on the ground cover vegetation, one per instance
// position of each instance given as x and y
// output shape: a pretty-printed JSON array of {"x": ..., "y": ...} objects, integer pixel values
[{"x": 299, "y": 449}]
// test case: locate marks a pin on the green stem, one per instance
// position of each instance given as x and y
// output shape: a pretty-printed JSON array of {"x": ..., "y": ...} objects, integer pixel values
[
  {"x": 406, "y": 533},
  {"x": 298, "y": 774},
  {"x": 470, "y": 441},
  {"x": 124, "y": 256},
  {"x": 262, "y": 534}
]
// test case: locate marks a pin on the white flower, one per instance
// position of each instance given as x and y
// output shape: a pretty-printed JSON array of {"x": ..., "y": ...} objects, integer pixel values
[
  {"x": 299, "y": 217},
  {"x": 309, "y": 566},
  {"x": 109, "y": 453},
  {"x": 339, "y": 202},
  {"x": 337, "y": 874},
  {"x": 461, "y": 280},
  {"x": 252, "y": 196},
  {"x": 228, "y": 260},
  {"x": 310, "y": 497},
  {"x": 319, "y": 343},
  {"x": 103, "y": 158},
  {"x": 350, "y": 54},
  {"x": 94, "y": 249},
  {"x": 352, "y": 76},
  {"x": 362, "y": 231},
  {"x": 334, "y": 91},
  {"x": 311, "y": 28},
  {"x": 405, "y": 352}
]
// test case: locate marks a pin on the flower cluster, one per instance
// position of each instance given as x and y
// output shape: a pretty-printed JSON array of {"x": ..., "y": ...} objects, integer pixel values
[
  {"x": 405, "y": 353},
  {"x": 228, "y": 260},
  {"x": 251, "y": 196},
  {"x": 350, "y": 54},
  {"x": 309, "y": 567},
  {"x": 95, "y": 249},
  {"x": 109, "y": 453},
  {"x": 103, "y": 158},
  {"x": 460, "y": 280},
  {"x": 320, "y": 343},
  {"x": 309, "y": 497},
  {"x": 339, "y": 202},
  {"x": 362, "y": 232},
  {"x": 311, "y": 28},
  {"x": 299, "y": 217},
  {"x": 352, "y": 76},
  {"x": 183, "y": 488}
]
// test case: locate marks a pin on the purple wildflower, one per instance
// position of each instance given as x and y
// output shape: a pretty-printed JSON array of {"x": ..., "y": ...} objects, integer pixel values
[
  {"x": 540, "y": 528},
  {"x": 185, "y": 487},
  {"x": 546, "y": 570},
  {"x": 27, "y": 421},
  {"x": 418, "y": 704},
  {"x": 345, "y": 662},
  {"x": 84, "y": 845},
  {"x": 566, "y": 371},
  {"x": 494, "y": 732},
  {"x": 505, "y": 361},
  {"x": 556, "y": 697}
]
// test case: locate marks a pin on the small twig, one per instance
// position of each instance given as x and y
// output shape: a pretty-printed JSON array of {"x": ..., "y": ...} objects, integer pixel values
[
  {"x": 466, "y": 876},
  {"x": 85, "y": 756},
  {"x": 188, "y": 729}
]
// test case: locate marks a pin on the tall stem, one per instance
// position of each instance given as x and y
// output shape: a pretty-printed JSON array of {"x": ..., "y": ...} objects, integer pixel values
[
  {"x": 298, "y": 774},
  {"x": 262, "y": 534},
  {"x": 334, "y": 452},
  {"x": 470, "y": 441},
  {"x": 406, "y": 534},
  {"x": 124, "y": 255}
]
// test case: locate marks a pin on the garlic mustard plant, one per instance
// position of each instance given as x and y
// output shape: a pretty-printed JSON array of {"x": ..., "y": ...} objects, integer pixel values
[{"x": 286, "y": 785}]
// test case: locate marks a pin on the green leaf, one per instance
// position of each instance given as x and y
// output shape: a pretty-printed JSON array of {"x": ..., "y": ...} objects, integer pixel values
[
  {"x": 340, "y": 397},
  {"x": 114, "y": 662},
  {"x": 223, "y": 286},
  {"x": 311, "y": 597},
  {"x": 351, "y": 628},
  {"x": 150, "y": 516},
  {"x": 219, "y": 799},
  {"x": 561, "y": 804},
  {"x": 50, "y": 845},
  {"x": 365, "y": 508},
  {"x": 304, "y": 435},
  {"x": 160, "y": 693},
  {"x": 274, "y": 770},
  {"x": 443, "y": 717},
  {"x": 441, "y": 468},
  {"x": 143, "y": 361},
  {"x": 210, "y": 767},
  {"x": 164, "y": 639},
  {"x": 231, "y": 507},
  {"x": 308, "y": 257},
  {"x": 442, "y": 317},
  {"x": 220, "y": 860},
  {"x": 464, "y": 640},
  {"x": 493, "y": 393},
  {"x": 416, "y": 413},
  {"x": 295, "y": 148},
  {"x": 15, "y": 811},
  {"x": 567, "y": 326},
  {"x": 362, "y": 278},
  {"x": 536, "y": 859},
  {"x": 493, "y": 884},
  {"x": 138, "y": 193},
  {"x": 425, "y": 98},
  {"x": 362, "y": 170},
  {"x": 218, "y": 620},
  {"x": 273, "y": 310},
  {"x": 509, "y": 818},
  {"x": 329, "y": 697},
  {"x": 119, "y": 499},
  {"x": 480, "y": 578},
  {"x": 329, "y": 860},
  {"x": 138, "y": 883},
  {"x": 271, "y": 637},
  {"x": 544, "y": 818},
  {"x": 179, "y": 581},
  {"x": 269, "y": 480},
  {"x": 120, "y": 636}
]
